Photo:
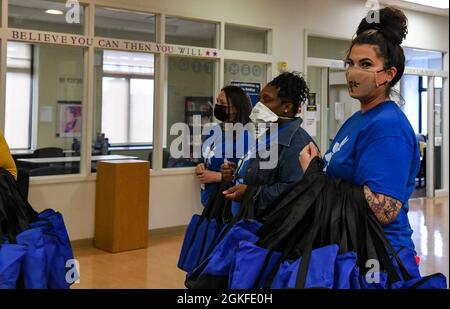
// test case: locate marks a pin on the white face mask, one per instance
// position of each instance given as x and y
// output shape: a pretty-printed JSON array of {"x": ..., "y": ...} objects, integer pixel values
[{"x": 262, "y": 114}]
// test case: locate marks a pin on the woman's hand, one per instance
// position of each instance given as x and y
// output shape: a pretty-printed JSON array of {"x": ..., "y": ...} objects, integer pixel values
[
  {"x": 227, "y": 171},
  {"x": 207, "y": 176},
  {"x": 235, "y": 193},
  {"x": 200, "y": 168},
  {"x": 307, "y": 154}
]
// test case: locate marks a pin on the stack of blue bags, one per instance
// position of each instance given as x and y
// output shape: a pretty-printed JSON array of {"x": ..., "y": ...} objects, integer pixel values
[
  {"x": 320, "y": 234},
  {"x": 35, "y": 251}
]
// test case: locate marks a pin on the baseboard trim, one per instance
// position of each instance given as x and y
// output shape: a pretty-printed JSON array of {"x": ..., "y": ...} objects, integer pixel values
[
  {"x": 82, "y": 243},
  {"x": 152, "y": 234},
  {"x": 167, "y": 231}
]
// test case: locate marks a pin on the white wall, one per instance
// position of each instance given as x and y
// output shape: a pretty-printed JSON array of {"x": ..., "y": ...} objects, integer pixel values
[
  {"x": 341, "y": 18},
  {"x": 174, "y": 198}
]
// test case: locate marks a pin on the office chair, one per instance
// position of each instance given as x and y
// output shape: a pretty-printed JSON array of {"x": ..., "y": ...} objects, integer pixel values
[
  {"x": 54, "y": 170},
  {"x": 48, "y": 152}
]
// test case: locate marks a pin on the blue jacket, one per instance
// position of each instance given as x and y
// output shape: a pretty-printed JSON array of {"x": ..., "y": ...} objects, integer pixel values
[{"x": 274, "y": 182}]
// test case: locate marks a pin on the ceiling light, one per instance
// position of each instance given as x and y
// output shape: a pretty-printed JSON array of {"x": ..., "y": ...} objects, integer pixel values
[
  {"x": 54, "y": 12},
  {"x": 441, "y": 4}
]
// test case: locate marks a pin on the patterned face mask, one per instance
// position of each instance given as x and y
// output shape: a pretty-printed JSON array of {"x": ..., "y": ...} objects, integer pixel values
[{"x": 362, "y": 82}]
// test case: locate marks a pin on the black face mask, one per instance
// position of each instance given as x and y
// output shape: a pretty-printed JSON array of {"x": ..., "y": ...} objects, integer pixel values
[{"x": 220, "y": 112}]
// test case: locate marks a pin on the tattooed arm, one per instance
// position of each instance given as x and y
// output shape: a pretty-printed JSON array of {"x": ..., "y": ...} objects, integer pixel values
[{"x": 384, "y": 207}]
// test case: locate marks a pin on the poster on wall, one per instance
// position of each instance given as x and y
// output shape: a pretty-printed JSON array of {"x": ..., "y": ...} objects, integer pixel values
[
  {"x": 311, "y": 115},
  {"x": 251, "y": 88},
  {"x": 69, "y": 119}
]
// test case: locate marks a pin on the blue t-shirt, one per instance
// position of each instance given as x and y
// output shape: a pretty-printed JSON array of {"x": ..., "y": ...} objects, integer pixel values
[
  {"x": 218, "y": 148},
  {"x": 379, "y": 149}
]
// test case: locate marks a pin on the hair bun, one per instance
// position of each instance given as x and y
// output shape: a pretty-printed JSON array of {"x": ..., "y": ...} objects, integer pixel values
[{"x": 393, "y": 24}]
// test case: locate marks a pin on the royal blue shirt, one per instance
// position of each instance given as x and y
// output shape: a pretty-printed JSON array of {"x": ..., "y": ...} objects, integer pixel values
[
  {"x": 215, "y": 150},
  {"x": 379, "y": 149}
]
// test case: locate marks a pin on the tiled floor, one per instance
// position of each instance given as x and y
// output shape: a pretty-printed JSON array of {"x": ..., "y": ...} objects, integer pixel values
[{"x": 155, "y": 267}]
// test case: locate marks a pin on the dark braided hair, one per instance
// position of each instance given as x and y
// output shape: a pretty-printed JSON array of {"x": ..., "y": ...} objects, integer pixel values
[
  {"x": 291, "y": 88},
  {"x": 387, "y": 35}
]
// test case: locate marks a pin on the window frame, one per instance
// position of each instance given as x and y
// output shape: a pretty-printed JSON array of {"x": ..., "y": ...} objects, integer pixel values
[
  {"x": 128, "y": 78},
  {"x": 30, "y": 72},
  {"x": 160, "y": 76}
]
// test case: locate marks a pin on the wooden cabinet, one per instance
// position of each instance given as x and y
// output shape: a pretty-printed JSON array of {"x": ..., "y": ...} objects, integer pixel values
[{"x": 122, "y": 205}]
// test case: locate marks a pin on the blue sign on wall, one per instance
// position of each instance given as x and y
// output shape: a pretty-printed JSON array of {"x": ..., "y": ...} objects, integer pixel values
[{"x": 251, "y": 88}]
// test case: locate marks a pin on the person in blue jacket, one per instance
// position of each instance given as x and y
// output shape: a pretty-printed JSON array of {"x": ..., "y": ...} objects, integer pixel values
[
  {"x": 376, "y": 147},
  {"x": 280, "y": 102},
  {"x": 232, "y": 107}
]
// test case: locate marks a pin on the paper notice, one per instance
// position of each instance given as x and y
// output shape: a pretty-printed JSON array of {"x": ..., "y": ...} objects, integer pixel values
[
  {"x": 339, "y": 111},
  {"x": 46, "y": 114}
]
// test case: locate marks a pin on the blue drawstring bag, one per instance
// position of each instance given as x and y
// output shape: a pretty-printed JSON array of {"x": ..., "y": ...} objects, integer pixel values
[
  {"x": 214, "y": 271},
  {"x": 320, "y": 272},
  {"x": 252, "y": 266},
  {"x": 56, "y": 231},
  {"x": 50, "y": 243},
  {"x": 34, "y": 266},
  {"x": 11, "y": 257},
  {"x": 401, "y": 270},
  {"x": 203, "y": 231},
  {"x": 408, "y": 258},
  {"x": 434, "y": 281},
  {"x": 55, "y": 260},
  {"x": 58, "y": 228},
  {"x": 346, "y": 273},
  {"x": 199, "y": 237}
]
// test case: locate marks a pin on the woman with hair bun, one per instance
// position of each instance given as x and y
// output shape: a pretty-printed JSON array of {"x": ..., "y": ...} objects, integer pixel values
[{"x": 376, "y": 147}]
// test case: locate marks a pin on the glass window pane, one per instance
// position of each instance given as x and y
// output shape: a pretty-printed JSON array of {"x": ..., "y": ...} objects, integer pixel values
[
  {"x": 245, "y": 39},
  {"x": 190, "y": 96},
  {"x": 55, "y": 102},
  {"x": 141, "y": 109},
  {"x": 18, "y": 98},
  {"x": 190, "y": 32},
  {"x": 115, "y": 109},
  {"x": 19, "y": 55},
  {"x": 18, "y": 95},
  {"x": 327, "y": 48},
  {"x": 424, "y": 112},
  {"x": 46, "y": 15},
  {"x": 341, "y": 104},
  {"x": 127, "y": 63},
  {"x": 123, "y": 110},
  {"x": 250, "y": 76},
  {"x": 424, "y": 59},
  {"x": 121, "y": 24},
  {"x": 438, "y": 134},
  {"x": 410, "y": 93},
  {"x": 424, "y": 82}
]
